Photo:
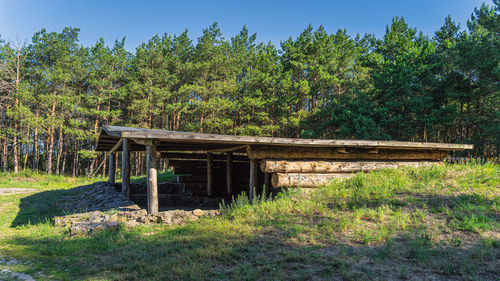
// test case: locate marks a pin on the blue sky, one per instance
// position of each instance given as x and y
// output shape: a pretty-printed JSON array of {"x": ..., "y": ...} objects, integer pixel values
[{"x": 272, "y": 20}]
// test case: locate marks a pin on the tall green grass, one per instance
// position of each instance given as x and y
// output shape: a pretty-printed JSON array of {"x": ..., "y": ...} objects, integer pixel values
[
  {"x": 372, "y": 207},
  {"x": 429, "y": 222}
]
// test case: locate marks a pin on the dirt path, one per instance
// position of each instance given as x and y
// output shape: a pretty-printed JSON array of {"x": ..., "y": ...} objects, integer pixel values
[{"x": 15, "y": 190}]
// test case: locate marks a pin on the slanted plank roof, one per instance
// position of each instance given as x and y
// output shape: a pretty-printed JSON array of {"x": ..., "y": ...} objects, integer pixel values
[{"x": 185, "y": 141}]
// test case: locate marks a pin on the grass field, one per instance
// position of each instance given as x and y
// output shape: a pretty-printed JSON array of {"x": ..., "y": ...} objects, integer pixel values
[{"x": 428, "y": 223}]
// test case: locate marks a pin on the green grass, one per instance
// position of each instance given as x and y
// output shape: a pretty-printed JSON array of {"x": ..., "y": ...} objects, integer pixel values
[
  {"x": 163, "y": 176},
  {"x": 41, "y": 181},
  {"x": 427, "y": 223}
]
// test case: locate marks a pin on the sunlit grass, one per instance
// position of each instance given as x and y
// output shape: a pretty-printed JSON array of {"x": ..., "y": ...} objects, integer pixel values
[
  {"x": 163, "y": 176},
  {"x": 444, "y": 219},
  {"x": 43, "y": 181}
]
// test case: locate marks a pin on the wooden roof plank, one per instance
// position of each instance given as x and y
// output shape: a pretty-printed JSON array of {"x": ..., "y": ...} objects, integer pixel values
[{"x": 215, "y": 140}]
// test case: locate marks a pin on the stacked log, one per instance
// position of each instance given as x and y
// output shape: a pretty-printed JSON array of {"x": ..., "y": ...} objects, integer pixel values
[
  {"x": 305, "y": 180},
  {"x": 313, "y": 173},
  {"x": 347, "y": 154}
]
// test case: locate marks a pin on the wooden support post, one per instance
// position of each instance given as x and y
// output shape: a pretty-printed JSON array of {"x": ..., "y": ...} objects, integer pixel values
[
  {"x": 152, "y": 175},
  {"x": 111, "y": 168},
  {"x": 104, "y": 165},
  {"x": 254, "y": 166},
  {"x": 210, "y": 179},
  {"x": 267, "y": 182},
  {"x": 126, "y": 166},
  {"x": 229, "y": 168}
]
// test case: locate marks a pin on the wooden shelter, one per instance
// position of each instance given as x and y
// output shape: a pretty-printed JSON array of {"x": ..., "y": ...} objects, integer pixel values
[{"x": 215, "y": 164}]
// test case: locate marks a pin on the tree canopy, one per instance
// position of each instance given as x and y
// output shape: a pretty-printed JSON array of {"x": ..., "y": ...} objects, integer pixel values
[{"x": 55, "y": 93}]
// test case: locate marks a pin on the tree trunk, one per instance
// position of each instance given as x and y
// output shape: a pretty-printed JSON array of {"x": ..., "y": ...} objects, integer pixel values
[
  {"x": 16, "y": 101},
  {"x": 51, "y": 139},
  {"x": 75, "y": 161},
  {"x": 4, "y": 155},
  {"x": 59, "y": 150},
  {"x": 14, "y": 149},
  {"x": 64, "y": 156},
  {"x": 26, "y": 152},
  {"x": 35, "y": 144}
]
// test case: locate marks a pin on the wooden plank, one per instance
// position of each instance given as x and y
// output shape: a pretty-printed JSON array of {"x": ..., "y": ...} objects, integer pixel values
[
  {"x": 210, "y": 179},
  {"x": 254, "y": 166},
  {"x": 319, "y": 166},
  {"x": 331, "y": 153},
  {"x": 305, "y": 180},
  {"x": 234, "y": 140},
  {"x": 200, "y": 156},
  {"x": 111, "y": 168},
  {"x": 126, "y": 167},
  {"x": 229, "y": 149},
  {"x": 229, "y": 171},
  {"x": 116, "y": 146},
  {"x": 152, "y": 178}
]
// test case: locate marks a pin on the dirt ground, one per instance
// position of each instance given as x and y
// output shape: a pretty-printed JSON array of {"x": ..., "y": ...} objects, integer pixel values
[{"x": 15, "y": 190}]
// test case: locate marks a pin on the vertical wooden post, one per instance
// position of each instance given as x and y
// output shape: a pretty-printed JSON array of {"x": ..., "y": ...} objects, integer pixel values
[
  {"x": 152, "y": 175},
  {"x": 126, "y": 166},
  {"x": 103, "y": 167},
  {"x": 229, "y": 169},
  {"x": 111, "y": 168},
  {"x": 267, "y": 182},
  {"x": 254, "y": 166},
  {"x": 210, "y": 180}
]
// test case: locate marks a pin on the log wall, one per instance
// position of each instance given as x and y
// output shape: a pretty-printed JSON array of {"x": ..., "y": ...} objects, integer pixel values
[
  {"x": 310, "y": 168},
  {"x": 314, "y": 173}
]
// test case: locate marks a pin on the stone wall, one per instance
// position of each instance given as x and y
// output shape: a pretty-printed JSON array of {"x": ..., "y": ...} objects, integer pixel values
[{"x": 101, "y": 206}]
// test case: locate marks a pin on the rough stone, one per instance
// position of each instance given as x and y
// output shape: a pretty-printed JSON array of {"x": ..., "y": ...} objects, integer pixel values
[
  {"x": 113, "y": 225},
  {"x": 165, "y": 217},
  {"x": 80, "y": 228},
  {"x": 89, "y": 228},
  {"x": 99, "y": 198},
  {"x": 97, "y": 217},
  {"x": 131, "y": 224},
  {"x": 213, "y": 213},
  {"x": 198, "y": 212}
]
